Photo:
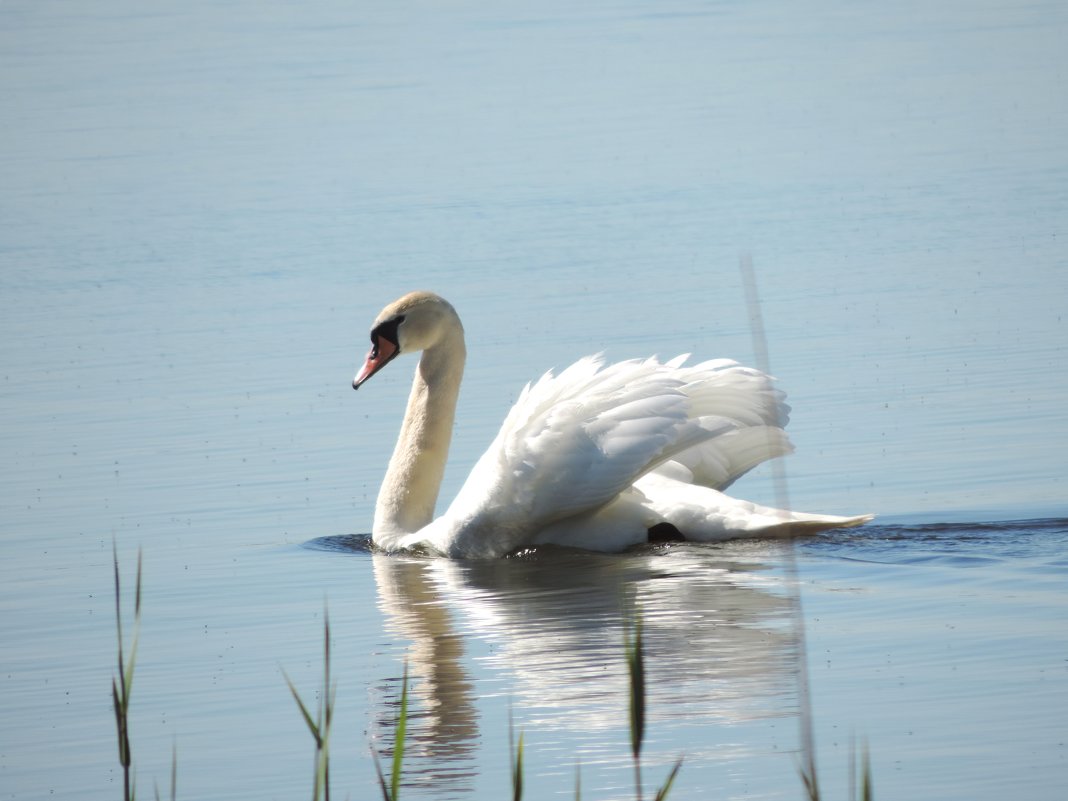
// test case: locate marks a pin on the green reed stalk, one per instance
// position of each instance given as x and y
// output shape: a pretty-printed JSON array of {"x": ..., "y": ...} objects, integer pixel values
[
  {"x": 635, "y": 654},
  {"x": 517, "y": 762},
  {"x": 391, "y": 791},
  {"x": 662, "y": 793},
  {"x": 174, "y": 775},
  {"x": 863, "y": 775},
  {"x": 320, "y": 725},
  {"x": 401, "y": 733},
  {"x": 122, "y": 685},
  {"x": 632, "y": 634}
]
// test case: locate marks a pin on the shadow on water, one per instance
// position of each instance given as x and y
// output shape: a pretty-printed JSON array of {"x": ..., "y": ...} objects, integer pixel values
[{"x": 965, "y": 544}]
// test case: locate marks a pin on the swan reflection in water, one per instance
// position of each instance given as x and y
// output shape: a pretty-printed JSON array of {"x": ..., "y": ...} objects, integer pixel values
[{"x": 546, "y": 631}]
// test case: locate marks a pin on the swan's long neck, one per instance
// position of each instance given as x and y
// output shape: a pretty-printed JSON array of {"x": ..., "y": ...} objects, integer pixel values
[{"x": 410, "y": 489}]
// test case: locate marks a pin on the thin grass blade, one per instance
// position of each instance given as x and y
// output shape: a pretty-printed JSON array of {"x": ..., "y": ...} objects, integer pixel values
[
  {"x": 636, "y": 669},
  {"x": 120, "y": 726},
  {"x": 812, "y": 790},
  {"x": 118, "y": 596},
  {"x": 398, "y": 740},
  {"x": 313, "y": 727},
  {"x": 381, "y": 777},
  {"x": 517, "y": 772},
  {"x": 174, "y": 772},
  {"x": 327, "y": 688},
  {"x": 128, "y": 677},
  {"x": 122, "y": 684},
  {"x": 326, "y": 707},
  {"x": 866, "y": 791},
  {"x": 137, "y": 589},
  {"x": 662, "y": 793}
]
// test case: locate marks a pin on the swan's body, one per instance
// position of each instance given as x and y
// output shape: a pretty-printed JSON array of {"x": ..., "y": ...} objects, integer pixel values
[{"x": 591, "y": 458}]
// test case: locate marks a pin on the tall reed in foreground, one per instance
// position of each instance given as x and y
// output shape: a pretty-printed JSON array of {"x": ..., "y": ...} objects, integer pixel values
[
  {"x": 807, "y": 765},
  {"x": 174, "y": 775},
  {"x": 391, "y": 791},
  {"x": 635, "y": 654},
  {"x": 122, "y": 684},
  {"x": 517, "y": 762},
  {"x": 861, "y": 775},
  {"x": 122, "y": 687},
  {"x": 319, "y": 726}
]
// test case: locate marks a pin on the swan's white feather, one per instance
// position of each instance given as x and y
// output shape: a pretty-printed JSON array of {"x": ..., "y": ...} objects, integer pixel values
[
  {"x": 574, "y": 442},
  {"x": 719, "y": 462},
  {"x": 707, "y": 515}
]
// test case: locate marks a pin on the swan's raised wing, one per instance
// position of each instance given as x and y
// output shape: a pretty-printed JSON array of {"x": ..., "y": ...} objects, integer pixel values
[
  {"x": 574, "y": 441},
  {"x": 719, "y": 462},
  {"x": 726, "y": 389}
]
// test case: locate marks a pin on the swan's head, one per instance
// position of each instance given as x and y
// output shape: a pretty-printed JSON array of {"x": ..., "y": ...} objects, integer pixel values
[{"x": 415, "y": 322}]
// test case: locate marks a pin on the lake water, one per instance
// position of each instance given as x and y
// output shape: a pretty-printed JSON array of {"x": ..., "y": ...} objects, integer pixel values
[{"x": 204, "y": 206}]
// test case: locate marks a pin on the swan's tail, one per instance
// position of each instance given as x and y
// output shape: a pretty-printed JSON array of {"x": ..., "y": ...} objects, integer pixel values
[{"x": 702, "y": 514}]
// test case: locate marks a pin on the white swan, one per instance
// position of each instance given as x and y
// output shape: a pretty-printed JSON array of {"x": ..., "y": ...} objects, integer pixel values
[{"x": 592, "y": 458}]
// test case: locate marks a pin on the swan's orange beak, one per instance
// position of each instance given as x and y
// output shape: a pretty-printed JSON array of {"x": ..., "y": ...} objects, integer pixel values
[{"x": 382, "y": 353}]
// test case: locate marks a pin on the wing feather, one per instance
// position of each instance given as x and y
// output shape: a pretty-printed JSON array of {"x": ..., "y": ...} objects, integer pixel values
[{"x": 576, "y": 440}]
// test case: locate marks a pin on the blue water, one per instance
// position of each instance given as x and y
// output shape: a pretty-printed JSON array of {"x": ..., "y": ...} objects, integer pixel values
[{"x": 205, "y": 205}]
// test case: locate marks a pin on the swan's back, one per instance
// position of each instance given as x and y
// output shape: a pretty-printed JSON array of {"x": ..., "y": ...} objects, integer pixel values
[{"x": 576, "y": 442}]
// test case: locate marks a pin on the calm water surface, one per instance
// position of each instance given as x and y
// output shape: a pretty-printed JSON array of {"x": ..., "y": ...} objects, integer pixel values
[{"x": 203, "y": 207}]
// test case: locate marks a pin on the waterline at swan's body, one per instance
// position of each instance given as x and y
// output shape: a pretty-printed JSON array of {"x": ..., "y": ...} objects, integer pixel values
[{"x": 591, "y": 458}]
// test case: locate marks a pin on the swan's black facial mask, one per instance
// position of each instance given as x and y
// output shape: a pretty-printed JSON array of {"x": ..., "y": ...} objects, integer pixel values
[{"x": 385, "y": 346}]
